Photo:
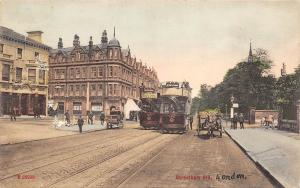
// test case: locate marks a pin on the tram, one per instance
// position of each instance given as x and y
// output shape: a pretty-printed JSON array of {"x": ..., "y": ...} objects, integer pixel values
[
  {"x": 175, "y": 98},
  {"x": 150, "y": 108}
]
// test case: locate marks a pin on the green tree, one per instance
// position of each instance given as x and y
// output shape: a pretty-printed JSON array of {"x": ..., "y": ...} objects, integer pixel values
[{"x": 249, "y": 82}]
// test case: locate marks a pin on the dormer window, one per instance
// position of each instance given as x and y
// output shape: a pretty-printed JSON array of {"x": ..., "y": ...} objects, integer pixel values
[{"x": 82, "y": 57}]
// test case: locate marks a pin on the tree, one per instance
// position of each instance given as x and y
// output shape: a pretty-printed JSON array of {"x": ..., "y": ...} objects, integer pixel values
[{"x": 249, "y": 82}]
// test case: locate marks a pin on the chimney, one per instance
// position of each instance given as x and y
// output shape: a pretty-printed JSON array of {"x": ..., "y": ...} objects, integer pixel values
[
  {"x": 60, "y": 43},
  {"x": 35, "y": 35}
]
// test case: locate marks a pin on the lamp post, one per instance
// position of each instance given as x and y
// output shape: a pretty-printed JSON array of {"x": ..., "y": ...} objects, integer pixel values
[{"x": 142, "y": 88}]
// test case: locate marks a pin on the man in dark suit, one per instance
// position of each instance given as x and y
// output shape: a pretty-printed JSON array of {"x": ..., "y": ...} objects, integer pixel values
[{"x": 80, "y": 122}]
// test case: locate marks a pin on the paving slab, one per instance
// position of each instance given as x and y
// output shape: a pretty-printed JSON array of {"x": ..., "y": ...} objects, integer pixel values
[{"x": 278, "y": 152}]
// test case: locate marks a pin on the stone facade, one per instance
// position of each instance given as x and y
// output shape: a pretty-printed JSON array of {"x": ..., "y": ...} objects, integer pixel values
[
  {"x": 96, "y": 77},
  {"x": 23, "y": 73}
]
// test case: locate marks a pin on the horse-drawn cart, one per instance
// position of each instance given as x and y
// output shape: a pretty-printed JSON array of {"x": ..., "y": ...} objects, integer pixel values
[
  {"x": 114, "y": 120},
  {"x": 210, "y": 122}
]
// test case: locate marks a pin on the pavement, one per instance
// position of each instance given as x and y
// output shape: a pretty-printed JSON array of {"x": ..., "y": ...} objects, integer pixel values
[
  {"x": 29, "y": 129},
  {"x": 85, "y": 128},
  {"x": 277, "y": 152}
]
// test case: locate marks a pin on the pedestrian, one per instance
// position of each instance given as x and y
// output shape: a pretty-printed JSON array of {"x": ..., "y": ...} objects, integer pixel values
[
  {"x": 80, "y": 122},
  {"x": 270, "y": 121},
  {"x": 122, "y": 115},
  {"x": 67, "y": 117},
  {"x": 102, "y": 117},
  {"x": 235, "y": 120},
  {"x": 90, "y": 117},
  {"x": 34, "y": 112},
  {"x": 13, "y": 114},
  {"x": 241, "y": 120},
  {"x": 191, "y": 122}
]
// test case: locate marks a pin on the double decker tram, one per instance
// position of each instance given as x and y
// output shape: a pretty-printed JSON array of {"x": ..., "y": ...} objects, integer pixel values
[
  {"x": 150, "y": 108},
  {"x": 175, "y": 98}
]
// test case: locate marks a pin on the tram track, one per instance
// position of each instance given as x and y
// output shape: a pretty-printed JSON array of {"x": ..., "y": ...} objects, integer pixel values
[
  {"x": 136, "y": 164},
  {"x": 33, "y": 165},
  {"x": 109, "y": 162},
  {"x": 152, "y": 158},
  {"x": 52, "y": 173},
  {"x": 59, "y": 151}
]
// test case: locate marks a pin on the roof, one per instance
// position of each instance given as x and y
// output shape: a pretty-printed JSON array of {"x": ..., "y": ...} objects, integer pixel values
[
  {"x": 9, "y": 34},
  {"x": 114, "y": 42}
]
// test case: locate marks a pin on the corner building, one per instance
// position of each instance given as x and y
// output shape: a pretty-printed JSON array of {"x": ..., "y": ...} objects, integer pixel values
[
  {"x": 23, "y": 73},
  {"x": 96, "y": 77}
]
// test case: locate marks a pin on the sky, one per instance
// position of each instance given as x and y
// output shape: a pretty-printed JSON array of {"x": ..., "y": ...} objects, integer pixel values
[{"x": 195, "y": 41}]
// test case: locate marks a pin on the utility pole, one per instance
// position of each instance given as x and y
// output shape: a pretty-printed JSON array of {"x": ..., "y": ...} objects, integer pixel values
[{"x": 226, "y": 116}]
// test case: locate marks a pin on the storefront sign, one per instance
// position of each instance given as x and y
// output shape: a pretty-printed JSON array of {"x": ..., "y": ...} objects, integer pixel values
[{"x": 148, "y": 95}]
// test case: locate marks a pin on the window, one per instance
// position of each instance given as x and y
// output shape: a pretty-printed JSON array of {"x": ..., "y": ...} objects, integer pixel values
[
  {"x": 100, "y": 72},
  {"x": 36, "y": 55},
  {"x": 110, "y": 89},
  {"x": 83, "y": 90},
  {"x": 110, "y": 71},
  {"x": 110, "y": 54},
  {"x": 82, "y": 57},
  {"x": 62, "y": 91},
  {"x": 100, "y": 91},
  {"x": 55, "y": 71},
  {"x": 115, "y": 89},
  {"x": 62, "y": 74},
  {"x": 71, "y": 88},
  {"x": 71, "y": 73},
  {"x": 115, "y": 53},
  {"x": 76, "y": 107},
  {"x": 96, "y": 107},
  {"x": 115, "y": 71},
  {"x": 41, "y": 76},
  {"x": 94, "y": 72},
  {"x": 18, "y": 74},
  {"x": 77, "y": 88},
  {"x": 19, "y": 53},
  {"x": 32, "y": 75},
  {"x": 77, "y": 56},
  {"x": 5, "y": 72},
  {"x": 77, "y": 72},
  {"x": 84, "y": 72},
  {"x": 1, "y": 48},
  {"x": 93, "y": 89}
]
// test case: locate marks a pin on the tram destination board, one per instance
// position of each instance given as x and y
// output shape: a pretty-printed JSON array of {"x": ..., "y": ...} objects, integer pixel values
[{"x": 149, "y": 95}]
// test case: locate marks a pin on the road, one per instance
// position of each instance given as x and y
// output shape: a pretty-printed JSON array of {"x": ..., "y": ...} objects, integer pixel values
[{"x": 128, "y": 157}]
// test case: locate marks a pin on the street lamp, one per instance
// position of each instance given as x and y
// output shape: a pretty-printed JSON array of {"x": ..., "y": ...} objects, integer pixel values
[{"x": 142, "y": 88}]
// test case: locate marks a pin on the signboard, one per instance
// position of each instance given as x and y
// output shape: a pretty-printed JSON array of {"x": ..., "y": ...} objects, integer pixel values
[
  {"x": 149, "y": 95},
  {"x": 235, "y": 105},
  {"x": 171, "y": 84}
]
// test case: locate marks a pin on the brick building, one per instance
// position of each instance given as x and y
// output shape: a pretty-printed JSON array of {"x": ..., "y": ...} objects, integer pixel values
[
  {"x": 23, "y": 72},
  {"x": 96, "y": 77}
]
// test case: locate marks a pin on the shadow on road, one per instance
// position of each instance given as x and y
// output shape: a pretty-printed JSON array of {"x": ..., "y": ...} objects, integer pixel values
[{"x": 207, "y": 137}]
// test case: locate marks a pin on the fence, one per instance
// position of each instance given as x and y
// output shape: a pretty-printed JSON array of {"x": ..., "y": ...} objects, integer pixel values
[{"x": 289, "y": 118}]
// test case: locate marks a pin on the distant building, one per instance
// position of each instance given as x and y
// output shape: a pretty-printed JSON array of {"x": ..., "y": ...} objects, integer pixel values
[
  {"x": 250, "y": 56},
  {"x": 283, "y": 70},
  {"x": 23, "y": 72},
  {"x": 96, "y": 77}
]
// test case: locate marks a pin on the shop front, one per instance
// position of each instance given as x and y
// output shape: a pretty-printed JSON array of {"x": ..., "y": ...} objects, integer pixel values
[{"x": 24, "y": 104}]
